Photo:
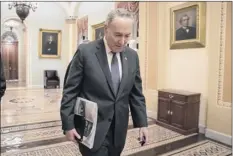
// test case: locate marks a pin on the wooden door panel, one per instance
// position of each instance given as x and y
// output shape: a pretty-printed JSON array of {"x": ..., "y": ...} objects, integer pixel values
[
  {"x": 163, "y": 110},
  {"x": 177, "y": 113},
  {"x": 13, "y": 62},
  {"x": 9, "y": 53},
  {"x": 5, "y": 59}
]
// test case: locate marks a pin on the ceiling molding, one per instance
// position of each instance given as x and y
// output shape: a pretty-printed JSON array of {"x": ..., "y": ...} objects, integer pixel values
[
  {"x": 69, "y": 7},
  {"x": 64, "y": 6},
  {"x": 75, "y": 7}
]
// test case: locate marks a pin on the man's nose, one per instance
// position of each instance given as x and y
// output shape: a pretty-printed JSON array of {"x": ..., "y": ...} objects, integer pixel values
[{"x": 122, "y": 41}]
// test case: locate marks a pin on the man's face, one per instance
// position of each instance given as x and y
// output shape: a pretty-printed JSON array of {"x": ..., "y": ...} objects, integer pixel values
[
  {"x": 118, "y": 33},
  {"x": 185, "y": 21},
  {"x": 50, "y": 38}
]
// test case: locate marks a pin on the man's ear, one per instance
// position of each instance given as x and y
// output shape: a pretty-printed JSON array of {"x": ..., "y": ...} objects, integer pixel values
[{"x": 105, "y": 28}]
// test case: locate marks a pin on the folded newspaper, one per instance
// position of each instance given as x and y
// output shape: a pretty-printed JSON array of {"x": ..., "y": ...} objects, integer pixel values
[{"x": 88, "y": 110}]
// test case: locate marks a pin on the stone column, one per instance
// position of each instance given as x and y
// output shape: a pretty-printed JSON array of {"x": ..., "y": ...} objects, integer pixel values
[
  {"x": 142, "y": 51},
  {"x": 148, "y": 52},
  {"x": 71, "y": 26}
]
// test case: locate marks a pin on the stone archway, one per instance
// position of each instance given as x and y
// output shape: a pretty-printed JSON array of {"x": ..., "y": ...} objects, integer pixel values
[
  {"x": 9, "y": 36},
  {"x": 14, "y": 39}
]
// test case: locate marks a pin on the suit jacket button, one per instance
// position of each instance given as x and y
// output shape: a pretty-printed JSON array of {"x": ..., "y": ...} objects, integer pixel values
[{"x": 109, "y": 120}]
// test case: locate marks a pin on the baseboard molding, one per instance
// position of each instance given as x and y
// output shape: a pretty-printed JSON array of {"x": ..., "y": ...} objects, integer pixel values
[
  {"x": 226, "y": 139},
  {"x": 36, "y": 86},
  {"x": 16, "y": 88},
  {"x": 202, "y": 129},
  {"x": 152, "y": 114},
  {"x": 41, "y": 86}
]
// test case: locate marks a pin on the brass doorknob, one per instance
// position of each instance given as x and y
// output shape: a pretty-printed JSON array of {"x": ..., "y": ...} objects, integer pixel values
[{"x": 170, "y": 96}]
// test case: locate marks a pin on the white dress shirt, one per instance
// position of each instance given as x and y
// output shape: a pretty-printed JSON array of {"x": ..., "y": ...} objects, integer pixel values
[{"x": 110, "y": 55}]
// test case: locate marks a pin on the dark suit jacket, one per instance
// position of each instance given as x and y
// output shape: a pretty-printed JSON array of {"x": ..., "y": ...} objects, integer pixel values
[
  {"x": 182, "y": 34},
  {"x": 2, "y": 79},
  {"x": 50, "y": 49},
  {"x": 88, "y": 76}
]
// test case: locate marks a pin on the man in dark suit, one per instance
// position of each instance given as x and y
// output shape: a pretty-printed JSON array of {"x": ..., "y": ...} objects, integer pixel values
[
  {"x": 107, "y": 72},
  {"x": 185, "y": 31},
  {"x": 2, "y": 80}
]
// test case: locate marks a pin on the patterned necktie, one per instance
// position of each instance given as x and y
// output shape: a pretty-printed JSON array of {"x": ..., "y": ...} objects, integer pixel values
[{"x": 115, "y": 73}]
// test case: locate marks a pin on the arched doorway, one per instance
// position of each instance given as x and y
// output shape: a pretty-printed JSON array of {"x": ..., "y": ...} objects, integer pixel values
[
  {"x": 14, "y": 38},
  {"x": 9, "y": 52}
]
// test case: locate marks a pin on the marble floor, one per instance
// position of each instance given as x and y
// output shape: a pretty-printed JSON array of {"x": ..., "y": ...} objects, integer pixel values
[
  {"x": 29, "y": 106},
  {"x": 30, "y": 125}
]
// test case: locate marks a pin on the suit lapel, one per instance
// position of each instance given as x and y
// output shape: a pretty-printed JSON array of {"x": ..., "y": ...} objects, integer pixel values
[
  {"x": 103, "y": 61},
  {"x": 124, "y": 62}
]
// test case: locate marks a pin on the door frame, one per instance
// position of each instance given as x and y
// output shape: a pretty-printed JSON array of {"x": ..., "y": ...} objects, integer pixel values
[
  {"x": 3, "y": 42},
  {"x": 24, "y": 38}
]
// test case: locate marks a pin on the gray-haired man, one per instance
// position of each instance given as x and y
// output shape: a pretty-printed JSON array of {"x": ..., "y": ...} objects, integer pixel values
[{"x": 107, "y": 72}]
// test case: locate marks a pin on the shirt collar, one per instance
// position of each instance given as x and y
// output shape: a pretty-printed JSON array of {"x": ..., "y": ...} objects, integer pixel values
[{"x": 108, "y": 50}]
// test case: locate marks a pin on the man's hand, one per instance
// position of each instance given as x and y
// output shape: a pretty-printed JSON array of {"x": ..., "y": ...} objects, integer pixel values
[
  {"x": 143, "y": 135},
  {"x": 71, "y": 134}
]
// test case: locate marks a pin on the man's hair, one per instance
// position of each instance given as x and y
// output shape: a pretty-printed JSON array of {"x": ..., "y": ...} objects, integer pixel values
[
  {"x": 120, "y": 12},
  {"x": 181, "y": 18}
]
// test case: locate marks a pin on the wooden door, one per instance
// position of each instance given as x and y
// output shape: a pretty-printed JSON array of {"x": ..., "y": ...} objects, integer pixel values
[
  {"x": 177, "y": 113},
  {"x": 163, "y": 110},
  {"x": 9, "y": 53}
]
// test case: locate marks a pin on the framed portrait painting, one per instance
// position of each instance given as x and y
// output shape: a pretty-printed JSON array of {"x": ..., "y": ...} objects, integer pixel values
[
  {"x": 188, "y": 25},
  {"x": 98, "y": 31},
  {"x": 49, "y": 43}
]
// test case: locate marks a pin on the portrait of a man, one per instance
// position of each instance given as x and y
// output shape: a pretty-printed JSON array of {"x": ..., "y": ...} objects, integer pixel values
[
  {"x": 49, "y": 43},
  {"x": 99, "y": 33},
  {"x": 88, "y": 128},
  {"x": 81, "y": 108},
  {"x": 186, "y": 25}
]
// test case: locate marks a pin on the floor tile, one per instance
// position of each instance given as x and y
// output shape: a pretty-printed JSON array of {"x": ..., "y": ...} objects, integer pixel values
[{"x": 158, "y": 136}]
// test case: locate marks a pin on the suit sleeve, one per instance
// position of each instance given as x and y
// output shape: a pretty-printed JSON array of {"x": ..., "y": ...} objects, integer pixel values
[
  {"x": 2, "y": 79},
  {"x": 137, "y": 101},
  {"x": 71, "y": 89}
]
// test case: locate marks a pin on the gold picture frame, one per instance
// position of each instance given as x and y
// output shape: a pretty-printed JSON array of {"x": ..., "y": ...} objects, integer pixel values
[
  {"x": 188, "y": 25},
  {"x": 49, "y": 43},
  {"x": 98, "y": 31}
]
